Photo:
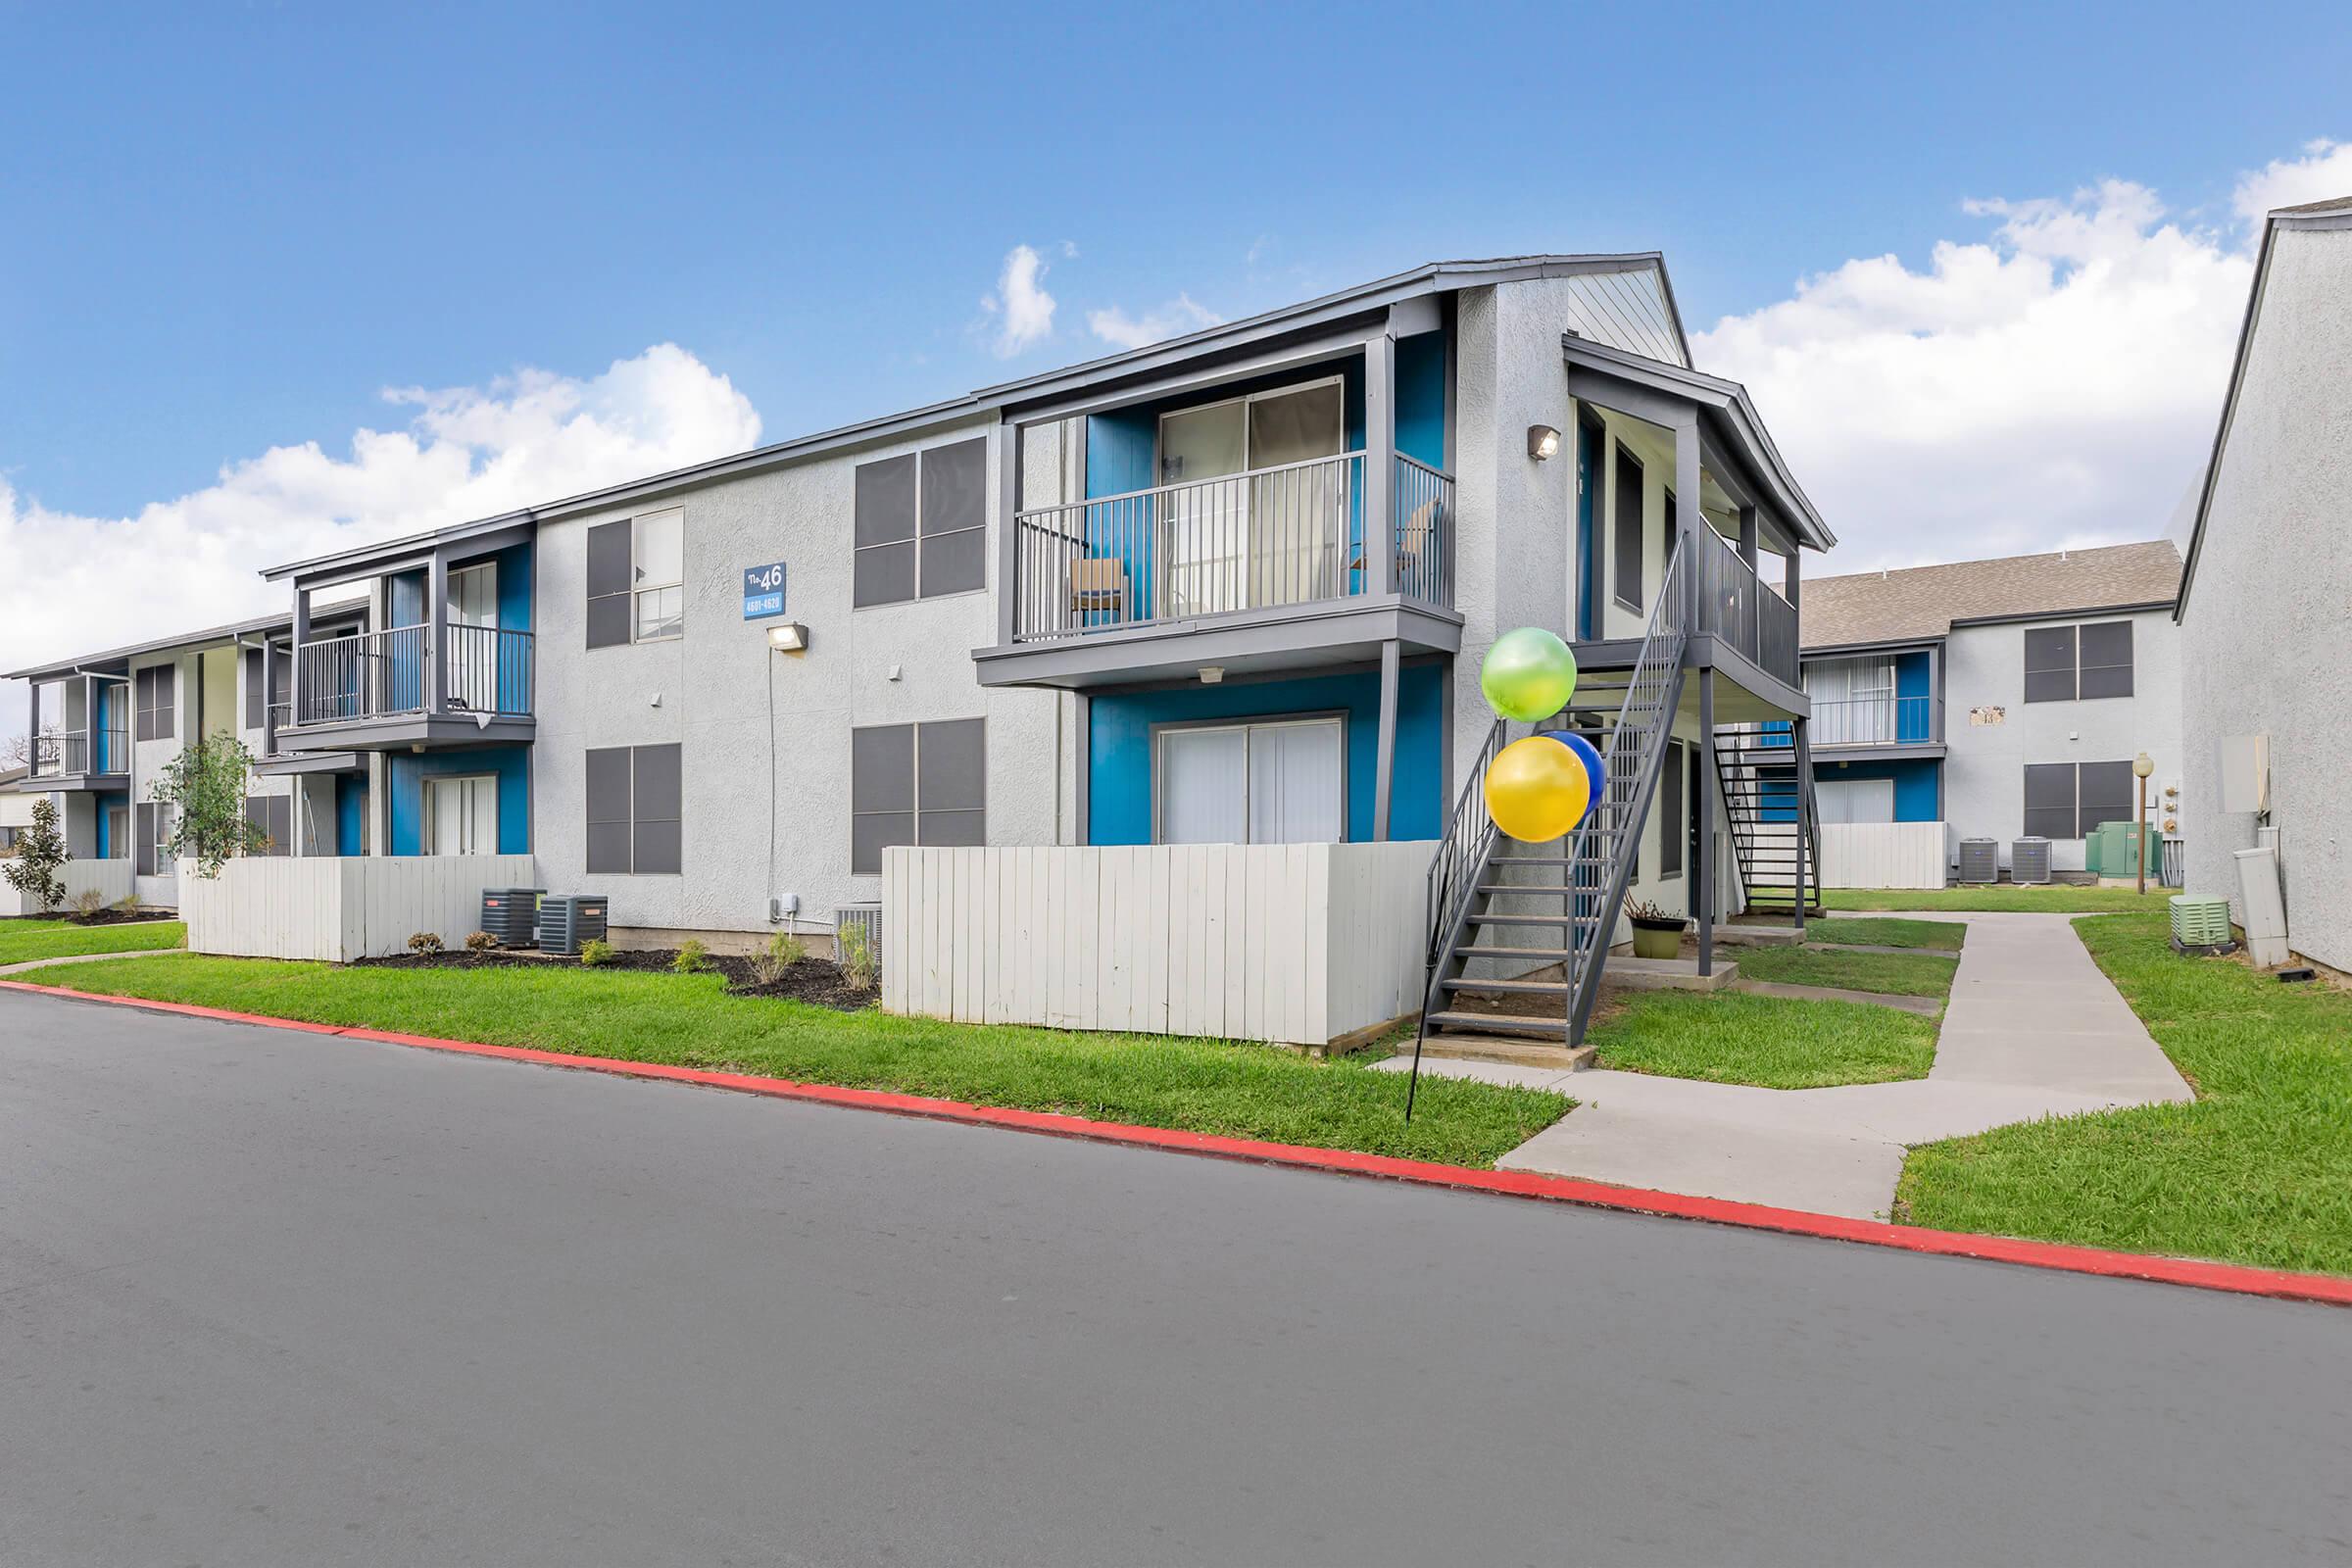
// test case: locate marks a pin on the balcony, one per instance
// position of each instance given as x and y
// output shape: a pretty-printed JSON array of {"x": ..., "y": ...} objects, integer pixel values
[
  {"x": 1877, "y": 721},
  {"x": 393, "y": 690},
  {"x": 1263, "y": 567},
  {"x": 82, "y": 758},
  {"x": 1738, "y": 609}
]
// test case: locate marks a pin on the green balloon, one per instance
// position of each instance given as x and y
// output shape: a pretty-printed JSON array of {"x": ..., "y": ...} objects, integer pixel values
[{"x": 1528, "y": 674}]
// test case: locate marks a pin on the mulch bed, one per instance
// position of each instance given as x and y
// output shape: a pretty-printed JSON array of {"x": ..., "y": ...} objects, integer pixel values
[
  {"x": 102, "y": 917},
  {"x": 817, "y": 981}
]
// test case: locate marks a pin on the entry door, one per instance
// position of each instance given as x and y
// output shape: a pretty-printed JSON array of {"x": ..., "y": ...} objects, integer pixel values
[
  {"x": 117, "y": 832},
  {"x": 460, "y": 815},
  {"x": 1279, "y": 782},
  {"x": 474, "y": 637}
]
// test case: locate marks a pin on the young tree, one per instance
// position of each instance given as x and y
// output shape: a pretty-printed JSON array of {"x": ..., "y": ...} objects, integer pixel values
[
  {"x": 41, "y": 851},
  {"x": 205, "y": 784}
]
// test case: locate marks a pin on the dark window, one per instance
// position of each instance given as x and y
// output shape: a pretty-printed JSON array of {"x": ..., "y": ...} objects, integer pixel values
[
  {"x": 2050, "y": 665},
  {"x": 917, "y": 784},
  {"x": 2106, "y": 653},
  {"x": 142, "y": 848},
  {"x": 273, "y": 814},
  {"x": 609, "y": 611},
  {"x": 253, "y": 688},
  {"x": 635, "y": 798},
  {"x": 1626, "y": 547},
  {"x": 922, "y": 525},
  {"x": 1670, "y": 812},
  {"x": 2106, "y": 794},
  {"x": 155, "y": 687},
  {"x": 2050, "y": 800}
]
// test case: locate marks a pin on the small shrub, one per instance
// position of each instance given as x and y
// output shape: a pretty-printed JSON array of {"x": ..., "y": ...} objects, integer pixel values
[
  {"x": 693, "y": 957},
  {"x": 784, "y": 950},
  {"x": 861, "y": 961},
  {"x": 595, "y": 953},
  {"x": 481, "y": 942},
  {"x": 1652, "y": 913},
  {"x": 129, "y": 903},
  {"x": 89, "y": 902},
  {"x": 425, "y": 942}
]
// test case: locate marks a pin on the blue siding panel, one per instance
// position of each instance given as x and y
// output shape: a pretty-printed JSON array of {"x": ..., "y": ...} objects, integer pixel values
[
  {"x": 410, "y": 771},
  {"x": 1119, "y": 756}
]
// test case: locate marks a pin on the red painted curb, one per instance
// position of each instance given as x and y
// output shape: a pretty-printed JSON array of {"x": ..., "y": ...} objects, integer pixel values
[{"x": 2234, "y": 1278}]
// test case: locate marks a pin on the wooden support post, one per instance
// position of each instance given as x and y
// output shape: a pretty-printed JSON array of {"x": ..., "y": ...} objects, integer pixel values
[{"x": 1380, "y": 460}]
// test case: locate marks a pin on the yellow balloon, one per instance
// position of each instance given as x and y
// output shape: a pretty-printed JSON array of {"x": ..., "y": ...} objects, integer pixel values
[{"x": 1537, "y": 790}]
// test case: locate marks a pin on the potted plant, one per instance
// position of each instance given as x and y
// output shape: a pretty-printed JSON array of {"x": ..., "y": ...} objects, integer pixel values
[{"x": 1657, "y": 934}]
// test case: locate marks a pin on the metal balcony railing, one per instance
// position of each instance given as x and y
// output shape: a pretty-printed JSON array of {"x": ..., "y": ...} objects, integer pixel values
[
  {"x": 57, "y": 753},
  {"x": 1735, "y": 606},
  {"x": 1292, "y": 534},
  {"x": 1877, "y": 719},
  {"x": 380, "y": 674}
]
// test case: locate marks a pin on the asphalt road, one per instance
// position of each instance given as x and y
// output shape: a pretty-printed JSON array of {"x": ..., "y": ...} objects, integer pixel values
[{"x": 268, "y": 1297}]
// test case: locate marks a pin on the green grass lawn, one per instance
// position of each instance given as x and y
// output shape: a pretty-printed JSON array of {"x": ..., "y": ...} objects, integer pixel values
[
  {"x": 1239, "y": 1091},
  {"x": 1945, "y": 935},
  {"x": 2052, "y": 900},
  {"x": 24, "y": 941},
  {"x": 1898, "y": 974},
  {"x": 2258, "y": 1170},
  {"x": 1725, "y": 1037}
]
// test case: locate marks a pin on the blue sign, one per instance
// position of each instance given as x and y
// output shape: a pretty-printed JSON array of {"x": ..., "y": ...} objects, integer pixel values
[{"x": 763, "y": 591}]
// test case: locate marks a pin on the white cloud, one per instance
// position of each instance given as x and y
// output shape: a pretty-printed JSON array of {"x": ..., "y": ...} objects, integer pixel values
[
  {"x": 2323, "y": 173},
  {"x": 1177, "y": 317},
  {"x": 77, "y": 584},
  {"x": 2050, "y": 386},
  {"x": 1020, "y": 307}
]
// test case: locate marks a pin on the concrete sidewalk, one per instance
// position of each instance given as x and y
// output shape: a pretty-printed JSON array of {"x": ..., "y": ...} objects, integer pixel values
[
  {"x": 84, "y": 957},
  {"x": 2033, "y": 1029}
]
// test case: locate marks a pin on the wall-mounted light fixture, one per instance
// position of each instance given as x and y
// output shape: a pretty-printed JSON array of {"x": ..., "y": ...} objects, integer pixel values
[
  {"x": 1211, "y": 674},
  {"x": 1542, "y": 442},
  {"x": 788, "y": 637}
]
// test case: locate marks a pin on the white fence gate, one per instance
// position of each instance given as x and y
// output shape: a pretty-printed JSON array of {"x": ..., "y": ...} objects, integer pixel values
[
  {"x": 108, "y": 879},
  {"x": 1299, "y": 944},
  {"x": 1882, "y": 855},
  {"x": 340, "y": 908}
]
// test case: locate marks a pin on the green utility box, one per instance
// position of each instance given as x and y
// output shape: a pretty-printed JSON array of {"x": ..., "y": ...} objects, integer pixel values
[
  {"x": 2111, "y": 846},
  {"x": 2200, "y": 922}
]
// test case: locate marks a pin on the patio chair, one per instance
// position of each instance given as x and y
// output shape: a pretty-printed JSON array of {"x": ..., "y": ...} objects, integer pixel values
[
  {"x": 1414, "y": 567},
  {"x": 1099, "y": 587}
]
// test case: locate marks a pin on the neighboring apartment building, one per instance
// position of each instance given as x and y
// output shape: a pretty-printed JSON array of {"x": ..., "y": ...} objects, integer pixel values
[
  {"x": 105, "y": 726},
  {"x": 2001, "y": 698},
  {"x": 16, "y": 807},
  {"x": 2267, "y": 595},
  {"x": 1233, "y": 587}
]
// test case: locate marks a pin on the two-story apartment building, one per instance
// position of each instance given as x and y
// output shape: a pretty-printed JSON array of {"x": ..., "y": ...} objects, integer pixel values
[
  {"x": 1230, "y": 588},
  {"x": 2003, "y": 698}
]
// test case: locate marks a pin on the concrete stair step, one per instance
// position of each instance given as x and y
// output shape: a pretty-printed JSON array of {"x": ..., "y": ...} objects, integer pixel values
[
  {"x": 1501, "y": 1048},
  {"x": 1484, "y": 1023}
]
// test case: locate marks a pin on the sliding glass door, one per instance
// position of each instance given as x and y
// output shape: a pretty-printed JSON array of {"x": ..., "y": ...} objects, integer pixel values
[
  {"x": 1238, "y": 539},
  {"x": 1280, "y": 782}
]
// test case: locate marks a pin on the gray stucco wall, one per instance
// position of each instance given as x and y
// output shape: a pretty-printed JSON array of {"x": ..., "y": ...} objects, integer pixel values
[
  {"x": 148, "y": 759},
  {"x": 2265, "y": 620},
  {"x": 710, "y": 690},
  {"x": 1984, "y": 774}
]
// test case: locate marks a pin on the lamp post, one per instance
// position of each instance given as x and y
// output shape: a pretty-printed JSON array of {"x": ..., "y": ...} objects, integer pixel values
[{"x": 2141, "y": 766}]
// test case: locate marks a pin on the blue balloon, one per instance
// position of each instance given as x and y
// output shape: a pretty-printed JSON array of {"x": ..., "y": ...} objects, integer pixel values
[{"x": 1595, "y": 770}]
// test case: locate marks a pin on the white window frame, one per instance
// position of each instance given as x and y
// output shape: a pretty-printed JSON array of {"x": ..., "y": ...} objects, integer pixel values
[
  {"x": 1336, "y": 718},
  {"x": 426, "y": 827},
  {"x": 639, "y": 589}
]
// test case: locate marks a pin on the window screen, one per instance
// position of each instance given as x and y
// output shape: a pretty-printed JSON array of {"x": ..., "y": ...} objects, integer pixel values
[
  {"x": 2105, "y": 794},
  {"x": 2050, "y": 665},
  {"x": 955, "y": 517},
  {"x": 609, "y": 810},
  {"x": 273, "y": 814},
  {"x": 156, "y": 686},
  {"x": 884, "y": 569},
  {"x": 608, "y": 584},
  {"x": 2106, "y": 653},
  {"x": 1625, "y": 545},
  {"x": 143, "y": 845},
  {"x": 2050, "y": 799},
  {"x": 917, "y": 784},
  {"x": 253, "y": 689},
  {"x": 1670, "y": 812},
  {"x": 635, "y": 809}
]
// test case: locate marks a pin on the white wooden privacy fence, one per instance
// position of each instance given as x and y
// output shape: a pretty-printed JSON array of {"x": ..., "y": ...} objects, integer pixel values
[
  {"x": 108, "y": 879},
  {"x": 1293, "y": 943},
  {"x": 341, "y": 908},
  {"x": 1882, "y": 855}
]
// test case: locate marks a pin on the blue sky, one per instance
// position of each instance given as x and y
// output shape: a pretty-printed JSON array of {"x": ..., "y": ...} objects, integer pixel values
[{"x": 231, "y": 231}]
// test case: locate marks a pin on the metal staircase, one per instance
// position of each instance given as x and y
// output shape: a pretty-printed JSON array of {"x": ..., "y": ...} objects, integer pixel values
[
  {"x": 1767, "y": 776},
  {"x": 1546, "y": 937}
]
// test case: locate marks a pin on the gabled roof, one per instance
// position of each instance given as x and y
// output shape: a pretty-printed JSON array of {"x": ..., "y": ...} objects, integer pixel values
[
  {"x": 1648, "y": 321},
  {"x": 2335, "y": 212},
  {"x": 1919, "y": 603}
]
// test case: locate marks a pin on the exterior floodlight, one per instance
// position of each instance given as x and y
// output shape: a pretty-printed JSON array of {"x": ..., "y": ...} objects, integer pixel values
[
  {"x": 1542, "y": 442},
  {"x": 1211, "y": 674},
  {"x": 788, "y": 637}
]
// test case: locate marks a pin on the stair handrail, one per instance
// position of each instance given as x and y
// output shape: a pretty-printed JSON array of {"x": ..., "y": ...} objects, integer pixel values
[
  {"x": 1660, "y": 659},
  {"x": 1469, "y": 838}
]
